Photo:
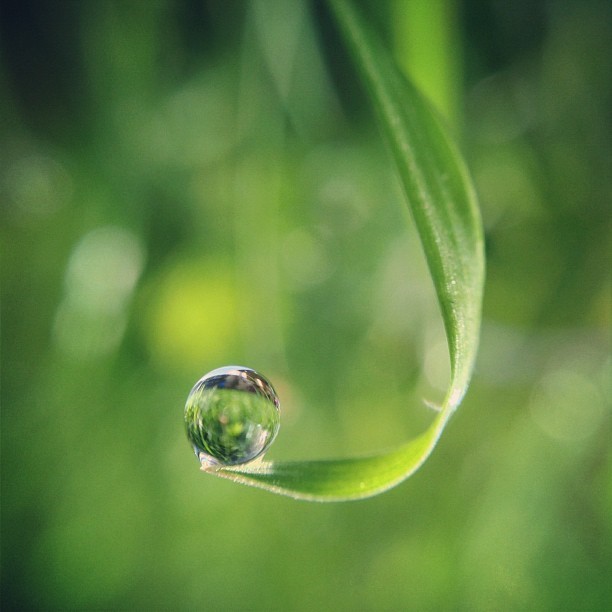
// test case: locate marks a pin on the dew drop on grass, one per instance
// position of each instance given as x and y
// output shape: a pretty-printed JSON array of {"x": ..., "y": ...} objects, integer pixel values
[{"x": 232, "y": 416}]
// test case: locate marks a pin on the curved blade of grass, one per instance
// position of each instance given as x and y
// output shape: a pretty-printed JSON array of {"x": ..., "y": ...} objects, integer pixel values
[{"x": 443, "y": 204}]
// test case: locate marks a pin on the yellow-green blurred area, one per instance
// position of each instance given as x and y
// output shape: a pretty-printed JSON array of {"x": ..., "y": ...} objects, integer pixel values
[{"x": 186, "y": 185}]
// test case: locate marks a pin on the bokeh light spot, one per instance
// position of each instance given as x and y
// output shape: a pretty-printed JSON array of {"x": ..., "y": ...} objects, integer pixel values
[{"x": 192, "y": 318}]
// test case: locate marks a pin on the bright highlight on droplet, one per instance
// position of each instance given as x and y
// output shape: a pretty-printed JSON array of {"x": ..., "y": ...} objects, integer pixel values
[{"x": 232, "y": 416}]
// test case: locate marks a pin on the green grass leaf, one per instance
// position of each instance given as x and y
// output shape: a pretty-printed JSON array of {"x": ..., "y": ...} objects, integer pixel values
[{"x": 443, "y": 204}]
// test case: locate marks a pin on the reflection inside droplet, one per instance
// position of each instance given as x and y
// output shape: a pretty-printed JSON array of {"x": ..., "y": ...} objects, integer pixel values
[{"x": 232, "y": 416}]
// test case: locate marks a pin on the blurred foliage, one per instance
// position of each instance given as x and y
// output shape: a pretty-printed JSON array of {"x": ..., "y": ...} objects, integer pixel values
[{"x": 189, "y": 184}]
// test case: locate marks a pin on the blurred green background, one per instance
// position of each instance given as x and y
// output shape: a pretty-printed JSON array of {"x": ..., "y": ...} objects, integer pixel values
[{"x": 185, "y": 185}]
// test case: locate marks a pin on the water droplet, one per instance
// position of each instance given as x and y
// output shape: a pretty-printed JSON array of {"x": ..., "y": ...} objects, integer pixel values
[{"x": 232, "y": 416}]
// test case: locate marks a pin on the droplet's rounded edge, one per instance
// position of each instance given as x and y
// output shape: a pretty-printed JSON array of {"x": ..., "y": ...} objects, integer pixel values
[
  {"x": 212, "y": 467},
  {"x": 209, "y": 463}
]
